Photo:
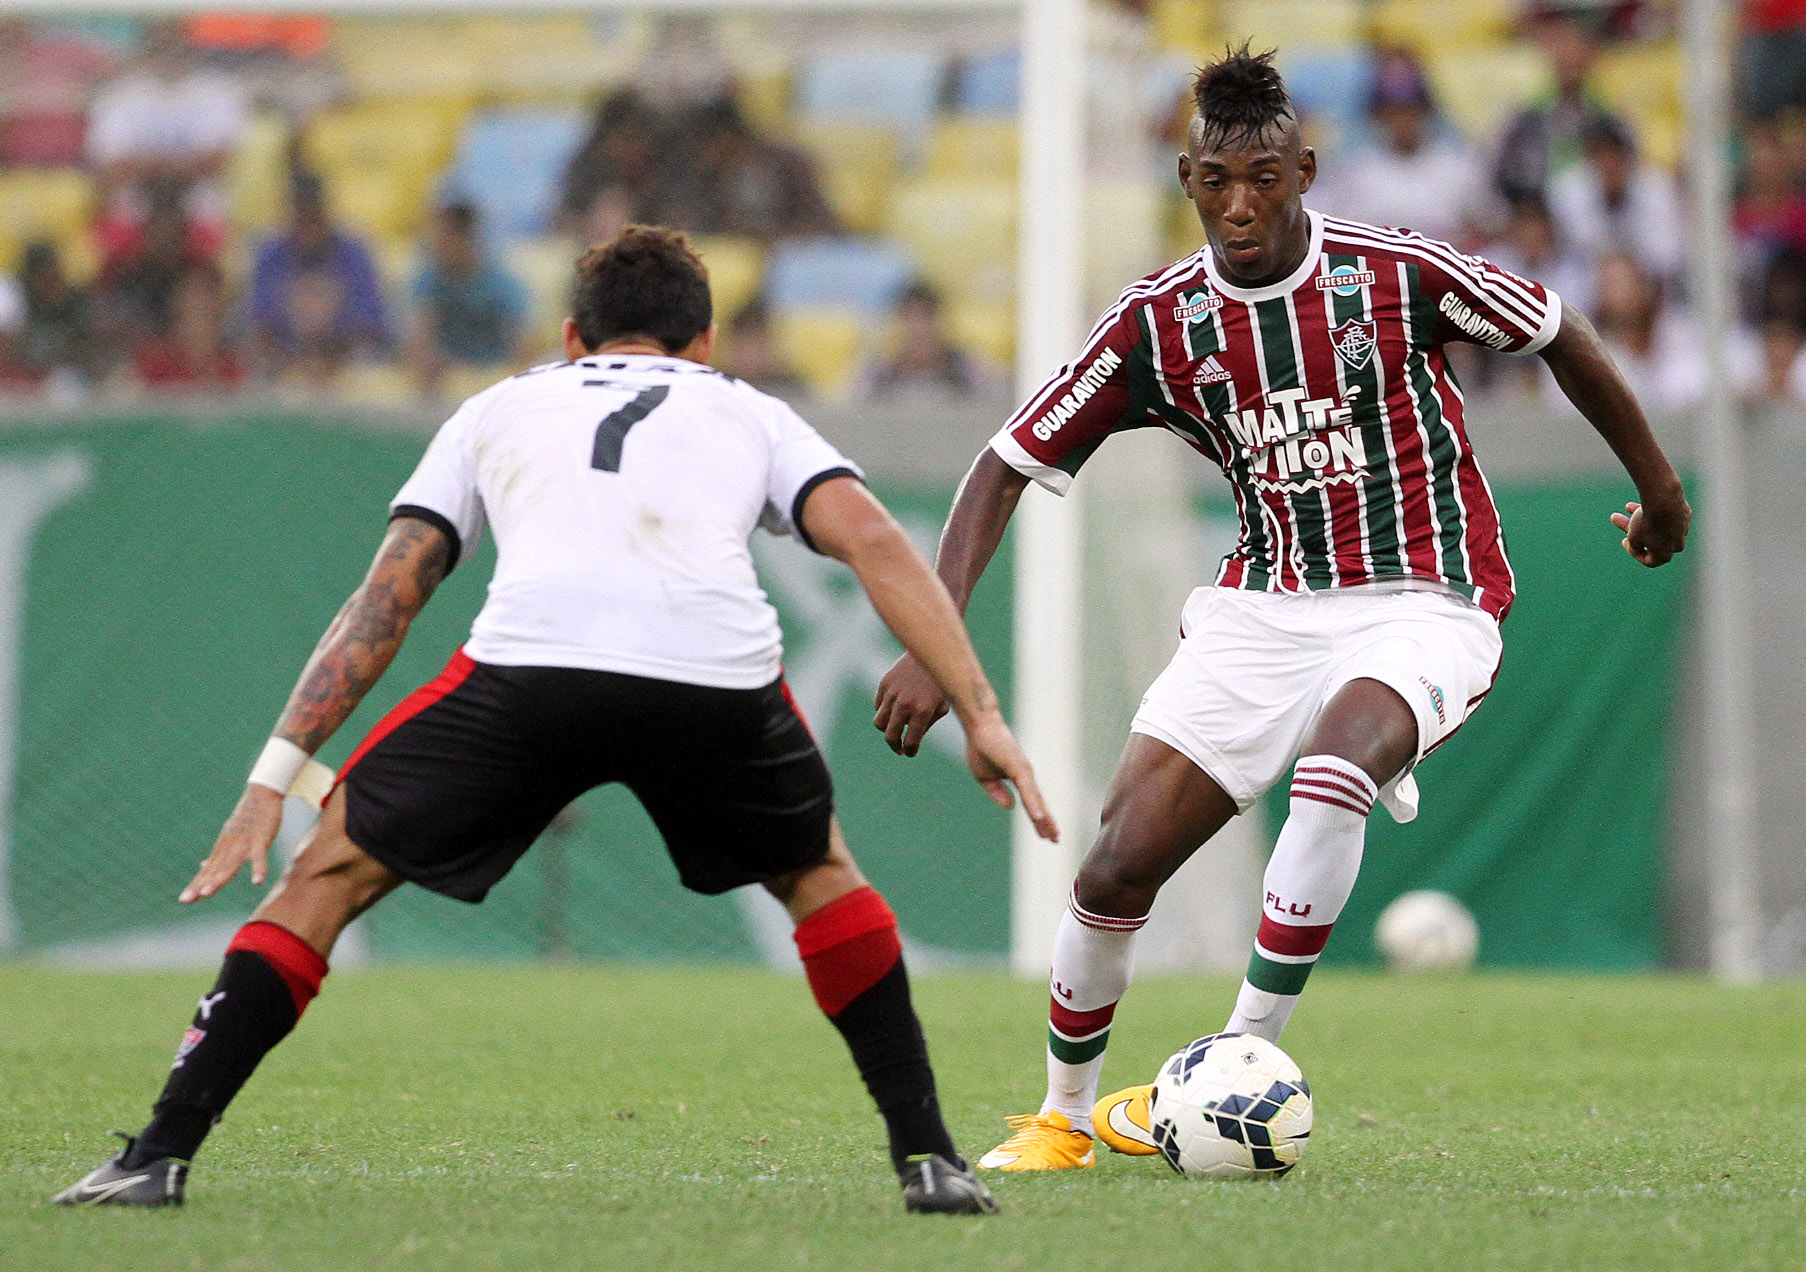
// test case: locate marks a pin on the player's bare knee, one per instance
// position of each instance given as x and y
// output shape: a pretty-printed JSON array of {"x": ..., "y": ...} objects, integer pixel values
[{"x": 1122, "y": 885}]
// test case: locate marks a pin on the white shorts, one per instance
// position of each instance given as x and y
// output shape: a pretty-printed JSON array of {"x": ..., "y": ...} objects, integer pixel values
[{"x": 1254, "y": 669}]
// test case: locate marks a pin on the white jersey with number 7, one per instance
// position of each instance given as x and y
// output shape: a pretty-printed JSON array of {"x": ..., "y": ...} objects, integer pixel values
[{"x": 622, "y": 490}]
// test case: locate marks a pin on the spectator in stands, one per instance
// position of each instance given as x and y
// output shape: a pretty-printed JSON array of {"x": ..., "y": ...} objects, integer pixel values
[
  {"x": 1543, "y": 140},
  {"x": 735, "y": 181},
  {"x": 1614, "y": 200},
  {"x": 467, "y": 310},
  {"x": 1770, "y": 211},
  {"x": 750, "y": 352},
  {"x": 1656, "y": 344},
  {"x": 1773, "y": 58},
  {"x": 192, "y": 354},
  {"x": 922, "y": 355},
  {"x": 47, "y": 76},
  {"x": 618, "y": 163},
  {"x": 1411, "y": 174},
  {"x": 134, "y": 290},
  {"x": 315, "y": 301},
  {"x": 1531, "y": 244},
  {"x": 54, "y": 348},
  {"x": 1780, "y": 312},
  {"x": 169, "y": 122}
]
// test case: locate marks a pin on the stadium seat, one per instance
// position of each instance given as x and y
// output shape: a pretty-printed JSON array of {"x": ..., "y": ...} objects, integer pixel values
[
  {"x": 512, "y": 63},
  {"x": 966, "y": 146},
  {"x": 856, "y": 275},
  {"x": 1330, "y": 85},
  {"x": 257, "y": 174},
  {"x": 1452, "y": 25},
  {"x": 1293, "y": 24},
  {"x": 858, "y": 164},
  {"x": 389, "y": 58},
  {"x": 1478, "y": 90},
  {"x": 897, "y": 87},
  {"x": 380, "y": 160},
  {"x": 1642, "y": 82},
  {"x": 990, "y": 83},
  {"x": 510, "y": 163},
  {"x": 736, "y": 268},
  {"x": 393, "y": 137},
  {"x": 52, "y": 203},
  {"x": 1185, "y": 26},
  {"x": 987, "y": 326},
  {"x": 822, "y": 344},
  {"x": 963, "y": 233},
  {"x": 545, "y": 267}
]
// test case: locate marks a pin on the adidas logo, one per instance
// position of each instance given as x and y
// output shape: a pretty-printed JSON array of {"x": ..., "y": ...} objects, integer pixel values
[{"x": 1211, "y": 372}]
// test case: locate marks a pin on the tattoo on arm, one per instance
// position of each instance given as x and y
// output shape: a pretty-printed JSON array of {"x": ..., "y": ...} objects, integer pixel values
[{"x": 363, "y": 639}]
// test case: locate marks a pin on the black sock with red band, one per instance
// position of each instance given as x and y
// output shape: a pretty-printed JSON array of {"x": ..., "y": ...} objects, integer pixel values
[
  {"x": 854, "y": 961},
  {"x": 266, "y": 981}
]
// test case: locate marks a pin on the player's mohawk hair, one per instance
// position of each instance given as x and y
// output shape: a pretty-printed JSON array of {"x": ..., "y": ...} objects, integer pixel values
[{"x": 1239, "y": 97}]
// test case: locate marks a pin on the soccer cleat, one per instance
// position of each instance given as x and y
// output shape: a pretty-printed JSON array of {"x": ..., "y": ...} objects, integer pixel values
[
  {"x": 940, "y": 1186},
  {"x": 1043, "y": 1141},
  {"x": 156, "y": 1183},
  {"x": 1122, "y": 1121}
]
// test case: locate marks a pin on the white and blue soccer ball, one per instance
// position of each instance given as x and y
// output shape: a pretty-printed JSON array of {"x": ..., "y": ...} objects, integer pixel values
[{"x": 1231, "y": 1106}]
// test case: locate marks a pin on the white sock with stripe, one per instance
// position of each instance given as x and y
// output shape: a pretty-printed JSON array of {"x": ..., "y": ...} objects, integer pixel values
[
  {"x": 1094, "y": 956},
  {"x": 1308, "y": 879}
]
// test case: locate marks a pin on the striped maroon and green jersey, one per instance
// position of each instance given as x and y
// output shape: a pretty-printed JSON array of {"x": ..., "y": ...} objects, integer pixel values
[{"x": 1326, "y": 399}]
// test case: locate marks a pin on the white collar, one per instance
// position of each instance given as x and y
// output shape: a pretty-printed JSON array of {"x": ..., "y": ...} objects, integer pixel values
[{"x": 1248, "y": 295}]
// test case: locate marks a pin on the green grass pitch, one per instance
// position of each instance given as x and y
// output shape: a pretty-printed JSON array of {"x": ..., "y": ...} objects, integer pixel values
[{"x": 545, "y": 1118}]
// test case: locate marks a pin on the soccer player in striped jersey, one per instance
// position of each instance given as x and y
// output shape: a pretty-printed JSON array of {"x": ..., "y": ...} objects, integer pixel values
[{"x": 1354, "y": 625}]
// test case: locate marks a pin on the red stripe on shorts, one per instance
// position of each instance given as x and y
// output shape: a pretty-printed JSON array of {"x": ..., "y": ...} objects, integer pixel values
[{"x": 456, "y": 672}]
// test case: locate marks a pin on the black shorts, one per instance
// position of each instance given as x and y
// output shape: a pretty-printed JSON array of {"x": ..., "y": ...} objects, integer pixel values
[{"x": 455, "y": 784}]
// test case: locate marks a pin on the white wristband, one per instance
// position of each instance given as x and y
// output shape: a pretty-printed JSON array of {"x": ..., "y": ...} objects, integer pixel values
[{"x": 278, "y": 766}]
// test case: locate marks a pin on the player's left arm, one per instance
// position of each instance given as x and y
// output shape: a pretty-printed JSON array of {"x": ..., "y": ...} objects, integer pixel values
[
  {"x": 1655, "y": 526},
  {"x": 845, "y": 521},
  {"x": 351, "y": 657}
]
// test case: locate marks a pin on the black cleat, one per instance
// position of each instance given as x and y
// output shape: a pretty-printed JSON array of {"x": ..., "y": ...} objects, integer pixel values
[
  {"x": 156, "y": 1183},
  {"x": 937, "y": 1186}
]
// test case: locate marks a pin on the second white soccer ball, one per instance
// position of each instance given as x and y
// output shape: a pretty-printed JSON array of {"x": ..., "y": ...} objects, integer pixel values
[
  {"x": 1427, "y": 931},
  {"x": 1230, "y": 1106}
]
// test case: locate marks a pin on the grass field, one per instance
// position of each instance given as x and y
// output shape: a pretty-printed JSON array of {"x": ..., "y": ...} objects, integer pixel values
[{"x": 552, "y": 1118}]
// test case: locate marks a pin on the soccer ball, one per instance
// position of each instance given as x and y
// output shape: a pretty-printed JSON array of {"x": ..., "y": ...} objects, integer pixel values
[
  {"x": 1230, "y": 1106},
  {"x": 1427, "y": 932}
]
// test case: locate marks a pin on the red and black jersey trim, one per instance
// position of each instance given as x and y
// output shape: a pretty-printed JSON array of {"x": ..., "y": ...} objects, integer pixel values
[
  {"x": 802, "y": 497},
  {"x": 439, "y": 521}
]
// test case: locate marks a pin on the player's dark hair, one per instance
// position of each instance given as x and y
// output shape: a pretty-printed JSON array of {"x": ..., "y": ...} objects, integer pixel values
[
  {"x": 645, "y": 282},
  {"x": 1239, "y": 97}
]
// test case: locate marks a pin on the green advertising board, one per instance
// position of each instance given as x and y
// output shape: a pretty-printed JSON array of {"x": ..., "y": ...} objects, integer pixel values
[
  {"x": 173, "y": 582},
  {"x": 162, "y": 581}
]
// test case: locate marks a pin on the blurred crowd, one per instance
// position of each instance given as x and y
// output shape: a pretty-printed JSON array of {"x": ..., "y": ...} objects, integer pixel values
[{"x": 141, "y": 129}]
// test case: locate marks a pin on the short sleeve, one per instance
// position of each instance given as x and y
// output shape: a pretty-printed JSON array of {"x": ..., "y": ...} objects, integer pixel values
[
  {"x": 443, "y": 489},
  {"x": 1479, "y": 303},
  {"x": 1052, "y": 434},
  {"x": 801, "y": 460}
]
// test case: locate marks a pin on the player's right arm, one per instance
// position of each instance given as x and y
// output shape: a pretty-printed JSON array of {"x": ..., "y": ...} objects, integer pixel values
[
  {"x": 351, "y": 657},
  {"x": 1046, "y": 441}
]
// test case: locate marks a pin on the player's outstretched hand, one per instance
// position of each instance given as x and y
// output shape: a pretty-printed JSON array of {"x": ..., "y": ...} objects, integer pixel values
[
  {"x": 1654, "y": 534},
  {"x": 246, "y": 836},
  {"x": 908, "y": 703},
  {"x": 998, "y": 763}
]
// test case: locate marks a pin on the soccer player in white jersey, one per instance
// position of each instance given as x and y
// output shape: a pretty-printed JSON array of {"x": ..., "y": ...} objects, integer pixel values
[
  {"x": 1355, "y": 624},
  {"x": 625, "y": 639}
]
